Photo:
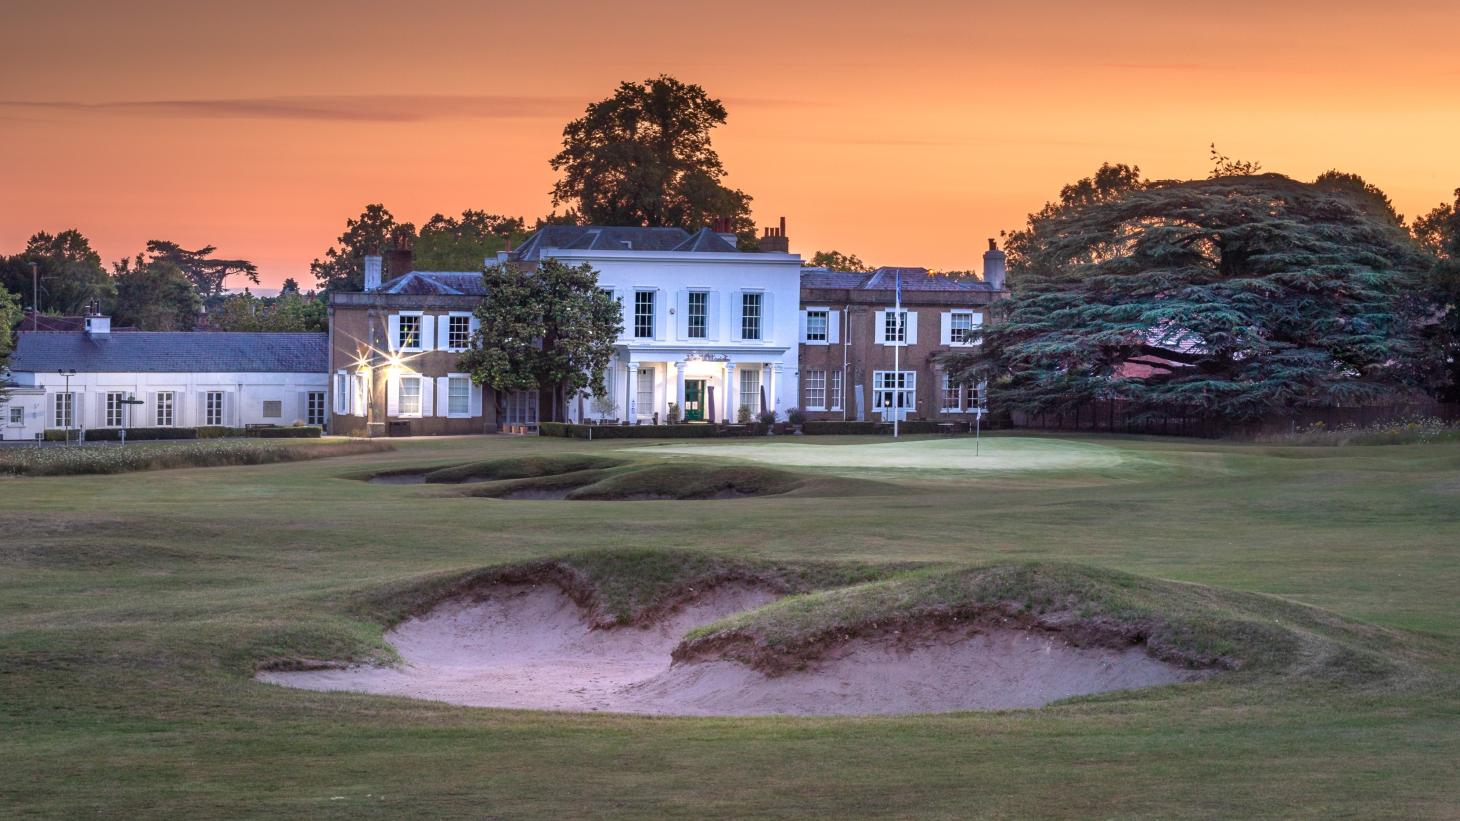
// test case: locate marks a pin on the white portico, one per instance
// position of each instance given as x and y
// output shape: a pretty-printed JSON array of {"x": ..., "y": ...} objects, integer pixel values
[{"x": 705, "y": 327}]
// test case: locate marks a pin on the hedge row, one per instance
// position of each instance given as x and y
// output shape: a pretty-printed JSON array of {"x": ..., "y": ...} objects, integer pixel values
[
  {"x": 828, "y": 428},
  {"x": 572, "y": 431},
  {"x": 207, "y": 432}
]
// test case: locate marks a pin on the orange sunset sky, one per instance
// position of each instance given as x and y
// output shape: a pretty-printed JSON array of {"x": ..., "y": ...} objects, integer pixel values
[{"x": 903, "y": 132}]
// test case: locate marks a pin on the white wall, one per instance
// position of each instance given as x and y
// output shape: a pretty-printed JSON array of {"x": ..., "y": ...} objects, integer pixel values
[
  {"x": 244, "y": 396},
  {"x": 776, "y": 276}
]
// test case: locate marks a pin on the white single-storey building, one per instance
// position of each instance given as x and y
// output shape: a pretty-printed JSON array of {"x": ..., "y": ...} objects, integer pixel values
[{"x": 81, "y": 380}]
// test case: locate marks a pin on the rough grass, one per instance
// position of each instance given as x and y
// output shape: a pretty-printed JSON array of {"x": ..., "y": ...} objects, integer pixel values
[
  {"x": 520, "y": 467},
  {"x": 73, "y": 460},
  {"x": 685, "y": 481},
  {"x": 1421, "y": 431}
]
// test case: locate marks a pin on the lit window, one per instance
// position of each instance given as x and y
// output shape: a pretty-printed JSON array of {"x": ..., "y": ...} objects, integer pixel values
[
  {"x": 362, "y": 392},
  {"x": 750, "y": 302},
  {"x": 816, "y": 322},
  {"x": 458, "y": 396},
  {"x": 166, "y": 415},
  {"x": 836, "y": 390},
  {"x": 644, "y": 314},
  {"x": 814, "y": 385},
  {"x": 213, "y": 408},
  {"x": 458, "y": 333},
  {"x": 314, "y": 408},
  {"x": 408, "y": 335},
  {"x": 114, "y": 407},
  {"x": 699, "y": 312},
  {"x": 410, "y": 396},
  {"x": 894, "y": 391},
  {"x": 750, "y": 389}
]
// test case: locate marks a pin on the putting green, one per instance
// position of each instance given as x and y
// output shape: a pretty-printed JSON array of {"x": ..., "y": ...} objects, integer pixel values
[{"x": 999, "y": 453}]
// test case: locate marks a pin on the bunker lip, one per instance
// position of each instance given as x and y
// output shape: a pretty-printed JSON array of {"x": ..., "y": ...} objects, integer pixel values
[{"x": 535, "y": 638}]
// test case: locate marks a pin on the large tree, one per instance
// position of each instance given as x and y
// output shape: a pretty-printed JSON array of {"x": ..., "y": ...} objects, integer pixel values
[
  {"x": 1439, "y": 233},
  {"x": 9, "y": 316},
  {"x": 643, "y": 157},
  {"x": 207, "y": 273},
  {"x": 544, "y": 328},
  {"x": 71, "y": 275},
  {"x": 289, "y": 311},
  {"x": 450, "y": 244},
  {"x": 1246, "y": 295},
  {"x": 374, "y": 231},
  {"x": 155, "y": 295}
]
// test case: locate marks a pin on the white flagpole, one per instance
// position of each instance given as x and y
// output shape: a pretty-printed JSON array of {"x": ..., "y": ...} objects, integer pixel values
[{"x": 897, "y": 358}]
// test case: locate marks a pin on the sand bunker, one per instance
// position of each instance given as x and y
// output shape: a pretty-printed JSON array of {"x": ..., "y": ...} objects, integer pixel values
[
  {"x": 530, "y": 646},
  {"x": 996, "y": 453}
]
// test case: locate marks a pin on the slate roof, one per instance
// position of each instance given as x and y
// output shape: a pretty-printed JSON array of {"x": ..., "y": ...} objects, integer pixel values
[
  {"x": 885, "y": 279},
  {"x": 449, "y": 283},
  {"x": 612, "y": 238},
  {"x": 171, "y": 352}
]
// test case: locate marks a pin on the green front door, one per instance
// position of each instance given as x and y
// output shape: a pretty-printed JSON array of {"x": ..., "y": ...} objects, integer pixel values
[{"x": 694, "y": 400}]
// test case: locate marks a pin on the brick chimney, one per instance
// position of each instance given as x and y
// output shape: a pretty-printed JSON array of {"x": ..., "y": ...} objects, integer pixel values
[
  {"x": 398, "y": 260},
  {"x": 994, "y": 266},
  {"x": 774, "y": 240}
]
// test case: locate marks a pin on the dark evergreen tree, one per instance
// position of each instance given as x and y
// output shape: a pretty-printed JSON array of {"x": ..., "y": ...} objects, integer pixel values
[
  {"x": 207, "y": 273},
  {"x": 374, "y": 232},
  {"x": 1250, "y": 295},
  {"x": 155, "y": 295},
  {"x": 1439, "y": 233}
]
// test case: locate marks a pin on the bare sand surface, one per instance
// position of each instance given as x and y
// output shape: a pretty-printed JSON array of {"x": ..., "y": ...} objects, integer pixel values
[{"x": 530, "y": 647}]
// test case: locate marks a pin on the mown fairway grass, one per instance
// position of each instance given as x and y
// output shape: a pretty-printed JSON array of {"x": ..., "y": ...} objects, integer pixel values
[{"x": 134, "y": 608}]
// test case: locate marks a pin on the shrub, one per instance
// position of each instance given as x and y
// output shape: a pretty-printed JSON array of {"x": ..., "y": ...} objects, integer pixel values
[
  {"x": 84, "y": 459},
  {"x": 291, "y": 432},
  {"x": 682, "y": 431},
  {"x": 742, "y": 415},
  {"x": 767, "y": 417},
  {"x": 673, "y": 416},
  {"x": 847, "y": 428},
  {"x": 218, "y": 432},
  {"x": 137, "y": 434},
  {"x": 1416, "y": 431},
  {"x": 796, "y": 416}
]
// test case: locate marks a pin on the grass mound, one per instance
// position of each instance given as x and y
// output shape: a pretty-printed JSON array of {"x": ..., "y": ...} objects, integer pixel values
[
  {"x": 519, "y": 467},
  {"x": 688, "y": 482},
  {"x": 555, "y": 486},
  {"x": 90, "y": 459},
  {"x": 1178, "y": 623}
]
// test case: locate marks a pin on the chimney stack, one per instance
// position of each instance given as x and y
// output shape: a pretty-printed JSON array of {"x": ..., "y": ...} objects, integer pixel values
[
  {"x": 372, "y": 272},
  {"x": 398, "y": 260},
  {"x": 97, "y": 326},
  {"x": 774, "y": 240},
  {"x": 993, "y": 266}
]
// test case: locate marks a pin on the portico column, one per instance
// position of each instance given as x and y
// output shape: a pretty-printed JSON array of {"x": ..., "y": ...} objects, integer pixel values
[
  {"x": 775, "y": 387},
  {"x": 679, "y": 368},
  {"x": 631, "y": 392},
  {"x": 731, "y": 393}
]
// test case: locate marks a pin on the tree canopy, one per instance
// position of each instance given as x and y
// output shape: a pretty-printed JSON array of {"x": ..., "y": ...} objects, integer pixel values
[
  {"x": 289, "y": 311},
  {"x": 450, "y": 244},
  {"x": 1438, "y": 232},
  {"x": 643, "y": 157},
  {"x": 1243, "y": 296},
  {"x": 374, "y": 231},
  {"x": 837, "y": 261},
  {"x": 71, "y": 273},
  {"x": 550, "y": 327},
  {"x": 154, "y": 295},
  {"x": 207, "y": 273},
  {"x": 9, "y": 316}
]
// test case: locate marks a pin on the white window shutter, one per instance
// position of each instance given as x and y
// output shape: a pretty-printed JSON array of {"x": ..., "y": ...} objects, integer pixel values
[
  {"x": 712, "y": 317},
  {"x": 428, "y": 333},
  {"x": 443, "y": 397},
  {"x": 180, "y": 410},
  {"x": 879, "y": 328},
  {"x": 802, "y": 328},
  {"x": 946, "y": 337},
  {"x": 232, "y": 413},
  {"x": 335, "y": 391},
  {"x": 661, "y": 315},
  {"x": 833, "y": 327},
  {"x": 443, "y": 332},
  {"x": 767, "y": 317},
  {"x": 392, "y": 396},
  {"x": 737, "y": 315},
  {"x": 681, "y": 315},
  {"x": 392, "y": 332},
  {"x": 428, "y": 396},
  {"x": 475, "y": 400},
  {"x": 912, "y": 327}
]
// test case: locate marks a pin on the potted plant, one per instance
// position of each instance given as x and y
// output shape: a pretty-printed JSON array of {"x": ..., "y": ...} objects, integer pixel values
[
  {"x": 797, "y": 418},
  {"x": 672, "y": 418},
  {"x": 742, "y": 415},
  {"x": 767, "y": 419}
]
